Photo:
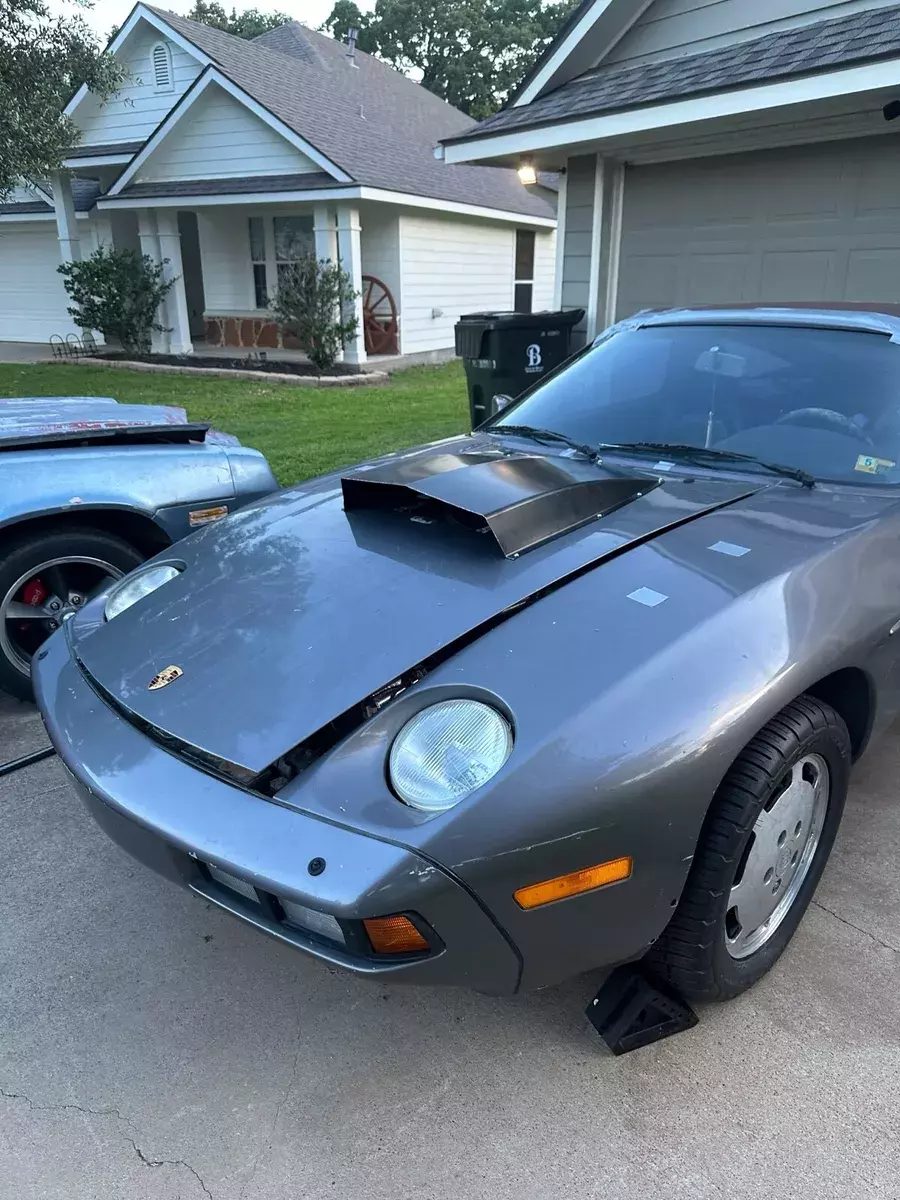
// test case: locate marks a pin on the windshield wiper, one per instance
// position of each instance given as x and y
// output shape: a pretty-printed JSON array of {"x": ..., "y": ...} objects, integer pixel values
[
  {"x": 699, "y": 453},
  {"x": 546, "y": 435}
]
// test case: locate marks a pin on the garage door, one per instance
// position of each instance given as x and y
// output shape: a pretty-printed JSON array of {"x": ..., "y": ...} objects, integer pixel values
[
  {"x": 814, "y": 223},
  {"x": 33, "y": 300}
]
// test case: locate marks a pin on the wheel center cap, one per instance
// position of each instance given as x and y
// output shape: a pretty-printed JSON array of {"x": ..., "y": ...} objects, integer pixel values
[{"x": 783, "y": 861}]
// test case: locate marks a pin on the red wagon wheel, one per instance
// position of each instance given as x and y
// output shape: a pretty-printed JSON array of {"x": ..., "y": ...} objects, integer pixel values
[{"x": 379, "y": 317}]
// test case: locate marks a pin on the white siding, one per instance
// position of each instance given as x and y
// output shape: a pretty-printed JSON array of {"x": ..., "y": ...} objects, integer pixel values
[
  {"x": 380, "y": 246},
  {"x": 135, "y": 111},
  {"x": 544, "y": 269},
  {"x": 23, "y": 193},
  {"x": 671, "y": 28},
  {"x": 218, "y": 137},
  {"x": 225, "y": 259},
  {"x": 454, "y": 265}
]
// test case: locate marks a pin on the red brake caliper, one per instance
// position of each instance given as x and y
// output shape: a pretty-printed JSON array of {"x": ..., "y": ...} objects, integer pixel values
[{"x": 33, "y": 593}]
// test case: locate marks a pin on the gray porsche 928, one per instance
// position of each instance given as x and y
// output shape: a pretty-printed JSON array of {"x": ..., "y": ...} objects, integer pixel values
[{"x": 582, "y": 686}]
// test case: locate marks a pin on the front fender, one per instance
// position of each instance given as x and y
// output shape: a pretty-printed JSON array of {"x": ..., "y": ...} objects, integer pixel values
[{"x": 627, "y": 717}]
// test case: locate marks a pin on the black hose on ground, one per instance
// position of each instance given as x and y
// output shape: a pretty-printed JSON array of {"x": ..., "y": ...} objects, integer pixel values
[{"x": 16, "y": 764}]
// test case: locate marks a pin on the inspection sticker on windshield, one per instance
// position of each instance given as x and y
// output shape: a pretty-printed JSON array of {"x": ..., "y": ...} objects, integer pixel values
[{"x": 871, "y": 465}]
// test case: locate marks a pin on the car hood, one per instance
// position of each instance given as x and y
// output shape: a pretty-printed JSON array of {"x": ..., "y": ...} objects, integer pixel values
[
  {"x": 45, "y": 416},
  {"x": 295, "y": 610}
]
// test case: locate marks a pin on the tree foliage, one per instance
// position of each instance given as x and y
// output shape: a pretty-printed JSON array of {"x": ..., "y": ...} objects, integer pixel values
[
  {"x": 43, "y": 61},
  {"x": 117, "y": 292},
  {"x": 247, "y": 24},
  {"x": 471, "y": 53},
  {"x": 314, "y": 303}
]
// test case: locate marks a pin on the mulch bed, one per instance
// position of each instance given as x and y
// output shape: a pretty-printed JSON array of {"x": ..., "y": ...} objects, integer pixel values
[{"x": 276, "y": 366}]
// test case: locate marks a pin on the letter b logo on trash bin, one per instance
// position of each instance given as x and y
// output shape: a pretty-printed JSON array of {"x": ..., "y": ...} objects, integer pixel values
[{"x": 533, "y": 353}]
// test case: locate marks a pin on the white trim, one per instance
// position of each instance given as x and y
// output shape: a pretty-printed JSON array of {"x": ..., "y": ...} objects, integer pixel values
[
  {"x": 597, "y": 219},
  {"x": 140, "y": 13},
  {"x": 758, "y": 98},
  {"x": 322, "y": 196},
  {"x": 453, "y": 206},
  {"x": 42, "y": 191},
  {"x": 560, "y": 240},
  {"x": 98, "y": 160},
  {"x": 25, "y": 218},
  {"x": 614, "y": 233},
  {"x": 561, "y": 52},
  {"x": 207, "y": 79},
  {"x": 313, "y": 195}
]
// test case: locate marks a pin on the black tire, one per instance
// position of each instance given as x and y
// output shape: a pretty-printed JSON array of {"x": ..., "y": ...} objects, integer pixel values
[
  {"x": 692, "y": 953},
  {"x": 21, "y": 555}
]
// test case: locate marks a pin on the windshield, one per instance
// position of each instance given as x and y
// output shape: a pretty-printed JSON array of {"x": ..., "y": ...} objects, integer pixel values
[{"x": 823, "y": 400}]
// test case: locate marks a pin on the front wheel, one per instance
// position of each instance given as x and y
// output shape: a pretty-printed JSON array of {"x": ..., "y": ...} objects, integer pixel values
[
  {"x": 44, "y": 579},
  {"x": 764, "y": 845}
]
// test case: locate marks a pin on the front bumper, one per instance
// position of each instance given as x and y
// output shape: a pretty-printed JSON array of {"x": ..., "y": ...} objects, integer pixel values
[{"x": 174, "y": 818}]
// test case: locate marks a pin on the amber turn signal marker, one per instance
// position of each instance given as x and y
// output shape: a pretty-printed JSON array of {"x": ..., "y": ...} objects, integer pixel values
[
  {"x": 394, "y": 935},
  {"x": 587, "y": 880}
]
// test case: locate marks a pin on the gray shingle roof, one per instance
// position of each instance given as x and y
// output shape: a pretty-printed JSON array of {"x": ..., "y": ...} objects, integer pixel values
[
  {"x": 84, "y": 193},
  {"x": 376, "y": 124},
  {"x": 82, "y": 151},
  {"x": 821, "y": 46},
  {"x": 229, "y": 187}
]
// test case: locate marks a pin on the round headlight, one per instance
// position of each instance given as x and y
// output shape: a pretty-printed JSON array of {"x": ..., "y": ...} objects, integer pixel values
[
  {"x": 447, "y": 751},
  {"x": 137, "y": 585}
]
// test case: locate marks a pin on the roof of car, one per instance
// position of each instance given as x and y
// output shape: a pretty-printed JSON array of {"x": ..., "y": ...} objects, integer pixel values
[{"x": 860, "y": 318}]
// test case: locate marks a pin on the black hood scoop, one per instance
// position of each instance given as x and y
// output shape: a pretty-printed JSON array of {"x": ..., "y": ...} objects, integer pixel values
[{"x": 522, "y": 500}]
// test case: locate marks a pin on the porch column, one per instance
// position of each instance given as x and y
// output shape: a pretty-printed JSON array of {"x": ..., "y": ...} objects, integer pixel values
[
  {"x": 351, "y": 261},
  {"x": 66, "y": 222},
  {"x": 173, "y": 268},
  {"x": 149, "y": 238},
  {"x": 325, "y": 232},
  {"x": 606, "y": 238}
]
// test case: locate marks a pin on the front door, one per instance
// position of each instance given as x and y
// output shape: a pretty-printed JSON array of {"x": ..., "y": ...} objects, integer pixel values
[{"x": 193, "y": 271}]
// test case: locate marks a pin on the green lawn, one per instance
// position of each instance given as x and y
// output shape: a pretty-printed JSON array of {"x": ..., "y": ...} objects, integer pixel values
[{"x": 302, "y": 431}]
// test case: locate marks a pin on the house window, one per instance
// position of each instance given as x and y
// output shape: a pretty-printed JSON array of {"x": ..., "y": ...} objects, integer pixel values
[
  {"x": 275, "y": 243},
  {"x": 524, "y": 277},
  {"x": 162, "y": 68},
  {"x": 293, "y": 240},
  {"x": 258, "y": 259}
]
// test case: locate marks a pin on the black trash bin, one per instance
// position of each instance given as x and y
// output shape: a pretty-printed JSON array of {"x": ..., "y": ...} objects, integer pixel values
[{"x": 506, "y": 352}]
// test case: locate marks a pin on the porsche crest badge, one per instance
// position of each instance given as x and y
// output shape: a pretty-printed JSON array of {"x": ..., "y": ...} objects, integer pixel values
[{"x": 166, "y": 676}]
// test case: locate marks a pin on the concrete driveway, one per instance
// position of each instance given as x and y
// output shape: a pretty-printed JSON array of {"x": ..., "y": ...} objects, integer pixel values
[{"x": 150, "y": 1047}]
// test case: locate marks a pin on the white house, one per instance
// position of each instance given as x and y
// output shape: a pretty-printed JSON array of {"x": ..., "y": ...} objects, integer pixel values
[
  {"x": 228, "y": 158},
  {"x": 741, "y": 150}
]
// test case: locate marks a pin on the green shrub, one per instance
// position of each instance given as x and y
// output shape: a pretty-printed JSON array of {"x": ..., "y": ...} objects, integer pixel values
[
  {"x": 313, "y": 303},
  {"x": 117, "y": 292}
]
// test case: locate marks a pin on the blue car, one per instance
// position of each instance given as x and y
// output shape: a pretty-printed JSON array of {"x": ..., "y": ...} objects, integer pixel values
[{"x": 89, "y": 489}]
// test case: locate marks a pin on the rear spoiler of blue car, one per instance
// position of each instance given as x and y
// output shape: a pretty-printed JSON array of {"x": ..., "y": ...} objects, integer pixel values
[{"x": 106, "y": 435}]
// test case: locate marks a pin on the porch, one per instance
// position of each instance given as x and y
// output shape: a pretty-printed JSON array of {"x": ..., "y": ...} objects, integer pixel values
[{"x": 226, "y": 261}]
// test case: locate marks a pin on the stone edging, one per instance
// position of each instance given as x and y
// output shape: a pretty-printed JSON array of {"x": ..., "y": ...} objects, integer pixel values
[{"x": 231, "y": 373}]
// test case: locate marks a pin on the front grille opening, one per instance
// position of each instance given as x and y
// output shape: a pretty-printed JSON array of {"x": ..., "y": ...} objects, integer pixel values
[{"x": 278, "y": 910}]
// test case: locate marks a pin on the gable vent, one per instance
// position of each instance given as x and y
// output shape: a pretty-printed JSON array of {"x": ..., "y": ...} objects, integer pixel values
[{"x": 162, "y": 68}]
